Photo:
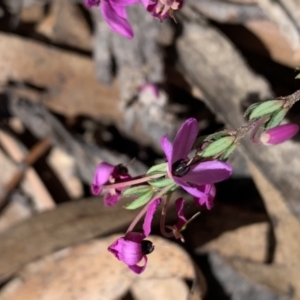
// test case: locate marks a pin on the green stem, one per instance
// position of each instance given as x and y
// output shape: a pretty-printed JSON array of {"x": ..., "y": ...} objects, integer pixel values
[
  {"x": 130, "y": 182},
  {"x": 144, "y": 210}
]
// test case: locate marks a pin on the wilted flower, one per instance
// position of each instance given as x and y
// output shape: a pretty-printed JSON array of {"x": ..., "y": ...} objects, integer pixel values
[
  {"x": 162, "y": 9},
  {"x": 132, "y": 248},
  {"x": 279, "y": 134},
  {"x": 107, "y": 173},
  {"x": 193, "y": 178}
]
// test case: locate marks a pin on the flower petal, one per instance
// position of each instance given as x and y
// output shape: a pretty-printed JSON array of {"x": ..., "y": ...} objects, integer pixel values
[
  {"x": 149, "y": 216},
  {"x": 91, "y": 3},
  {"x": 116, "y": 18},
  {"x": 210, "y": 191},
  {"x": 127, "y": 251},
  {"x": 208, "y": 172},
  {"x": 111, "y": 200},
  {"x": 102, "y": 174},
  {"x": 194, "y": 191},
  {"x": 179, "y": 205},
  {"x": 185, "y": 139},
  {"x": 139, "y": 269},
  {"x": 123, "y": 2},
  {"x": 168, "y": 150}
]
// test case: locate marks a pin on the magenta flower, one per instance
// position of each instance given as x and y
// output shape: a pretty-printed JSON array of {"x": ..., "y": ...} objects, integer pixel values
[
  {"x": 107, "y": 173},
  {"x": 195, "y": 178},
  {"x": 210, "y": 191},
  {"x": 114, "y": 13},
  {"x": 279, "y": 134},
  {"x": 162, "y": 9},
  {"x": 133, "y": 248}
]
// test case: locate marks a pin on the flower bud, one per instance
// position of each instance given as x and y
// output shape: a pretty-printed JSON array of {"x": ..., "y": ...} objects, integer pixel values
[{"x": 279, "y": 134}]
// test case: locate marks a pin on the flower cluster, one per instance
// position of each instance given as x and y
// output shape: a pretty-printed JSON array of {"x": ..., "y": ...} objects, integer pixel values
[
  {"x": 114, "y": 12},
  {"x": 195, "y": 175},
  {"x": 194, "y": 164}
]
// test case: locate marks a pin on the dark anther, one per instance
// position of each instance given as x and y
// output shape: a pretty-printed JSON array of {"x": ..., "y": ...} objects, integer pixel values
[
  {"x": 122, "y": 170},
  {"x": 147, "y": 247},
  {"x": 180, "y": 168}
]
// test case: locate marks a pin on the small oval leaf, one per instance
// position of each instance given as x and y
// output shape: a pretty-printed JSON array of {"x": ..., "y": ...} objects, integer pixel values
[
  {"x": 276, "y": 119},
  {"x": 251, "y": 108},
  {"x": 266, "y": 108},
  {"x": 136, "y": 190},
  {"x": 217, "y": 147},
  {"x": 158, "y": 169},
  {"x": 141, "y": 201},
  {"x": 161, "y": 183}
]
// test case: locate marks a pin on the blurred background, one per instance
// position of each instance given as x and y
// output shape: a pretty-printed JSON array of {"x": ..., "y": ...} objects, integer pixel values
[{"x": 73, "y": 94}]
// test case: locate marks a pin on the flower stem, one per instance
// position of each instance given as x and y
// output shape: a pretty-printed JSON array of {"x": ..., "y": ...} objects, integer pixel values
[
  {"x": 163, "y": 218},
  {"x": 130, "y": 182},
  {"x": 144, "y": 210}
]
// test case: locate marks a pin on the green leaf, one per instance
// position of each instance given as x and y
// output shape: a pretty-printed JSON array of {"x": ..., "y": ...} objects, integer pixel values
[
  {"x": 161, "y": 183},
  {"x": 266, "y": 108},
  {"x": 136, "y": 190},
  {"x": 250, "y": 108},
  {"x": 225, "y": 155},
  {"x": 158, "y": 169},
  {"x": 217, "y": 147},
  {"x": 215, "y": 136},
  {"x": 298, "y": 76},
  {"x": 276, "y": 119},
  {"x": 141, "y": 201}
]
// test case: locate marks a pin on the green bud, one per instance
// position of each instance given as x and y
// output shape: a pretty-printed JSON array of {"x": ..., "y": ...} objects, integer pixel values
[
  {"x": 141, "y": 201},
  {"x": 266, "y": 108},
  {"x": 158, "y": 169},
  {"x": 136, "y": 190},
  {"x": 225, "y": 155},
  {"x": 217, "y": 147},
  {"x": 161, "y": 182}
]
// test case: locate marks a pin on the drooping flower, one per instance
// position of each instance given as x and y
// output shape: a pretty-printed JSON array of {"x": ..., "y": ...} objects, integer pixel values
[
  {"x": 210, "y": 191},
  {"x": 133, "y": 247},
  {"x": 107, "y": 173},
  {"x": 195, "y": 178},
  {"x": 115, "y": 15},
  {"x": 279, "y": 134},
  {"x": 162, "y": 9}
]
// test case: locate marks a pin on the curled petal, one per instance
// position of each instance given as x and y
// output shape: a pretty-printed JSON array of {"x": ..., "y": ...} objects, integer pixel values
[
  {"x": 139, "y": 269},
  {"x": 116, "y": 18},
  {"x": 179, "y": 205},
  {"x": 208, "y": 172},
  {"x": 102, "y": 174},
  {"x": 111, "y": 200},
  {"x": 194, "y": 191},
  {"x": 185, "y": 139},
  {"x": 210, "y": 191},
  {"x": 149, "y": 216}
]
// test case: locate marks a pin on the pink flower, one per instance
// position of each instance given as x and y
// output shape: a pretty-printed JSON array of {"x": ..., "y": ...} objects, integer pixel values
[
  {"x": 107, "y": 173},
  {"x": 114, "y": 13},
  {"x": 195, "y": 178},
  {"x": 133, "y": 248},
  {"x": 162, "y": 9},
  {"x": 279, "y": 134}
]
